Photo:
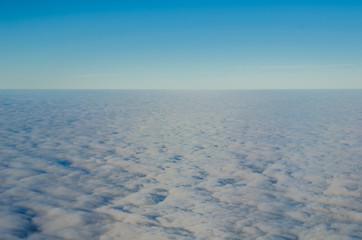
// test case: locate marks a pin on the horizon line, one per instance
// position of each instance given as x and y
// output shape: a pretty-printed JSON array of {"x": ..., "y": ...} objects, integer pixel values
[{"x": 172, "y": 89}]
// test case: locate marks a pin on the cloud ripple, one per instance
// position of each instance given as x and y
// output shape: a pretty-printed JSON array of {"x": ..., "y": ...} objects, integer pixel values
[{"x": 180, "y": 165}]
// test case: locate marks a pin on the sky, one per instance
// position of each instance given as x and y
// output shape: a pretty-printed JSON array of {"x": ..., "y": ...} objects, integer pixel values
[{"x": 186, "y": 44}]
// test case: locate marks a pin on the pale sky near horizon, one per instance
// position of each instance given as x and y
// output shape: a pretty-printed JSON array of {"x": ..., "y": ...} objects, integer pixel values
[{"x": 180, "y": 44}]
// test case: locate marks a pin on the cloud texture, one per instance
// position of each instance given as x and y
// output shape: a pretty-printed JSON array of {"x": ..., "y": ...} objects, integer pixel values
[{"x": 180, "y": 165}]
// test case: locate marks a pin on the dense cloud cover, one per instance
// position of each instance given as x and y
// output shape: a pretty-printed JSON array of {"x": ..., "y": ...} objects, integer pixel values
[{"x": 181, "y": 165}]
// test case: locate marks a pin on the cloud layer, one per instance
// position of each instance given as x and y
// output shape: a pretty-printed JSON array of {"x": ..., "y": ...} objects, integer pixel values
[
  {"x": 180, "y": 165},
  {"x": 281, "y": 67}
]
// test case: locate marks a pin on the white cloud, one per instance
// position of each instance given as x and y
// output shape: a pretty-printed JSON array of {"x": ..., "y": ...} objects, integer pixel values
[
  {"x": 96, "y": 75},
  {"x": 298, "y": 66},
  {"x": 180, "y": 165}
]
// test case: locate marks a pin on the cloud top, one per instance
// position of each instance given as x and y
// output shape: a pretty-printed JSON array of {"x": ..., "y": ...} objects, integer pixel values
[{"x": 180, "y": 165}]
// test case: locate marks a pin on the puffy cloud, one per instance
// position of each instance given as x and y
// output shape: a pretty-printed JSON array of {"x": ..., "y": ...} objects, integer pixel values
[{"x": 180, "y": 164}]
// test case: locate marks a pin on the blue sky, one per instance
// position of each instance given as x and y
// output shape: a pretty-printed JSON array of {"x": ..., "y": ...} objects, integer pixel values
[{"x": 180, "y": 44}]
